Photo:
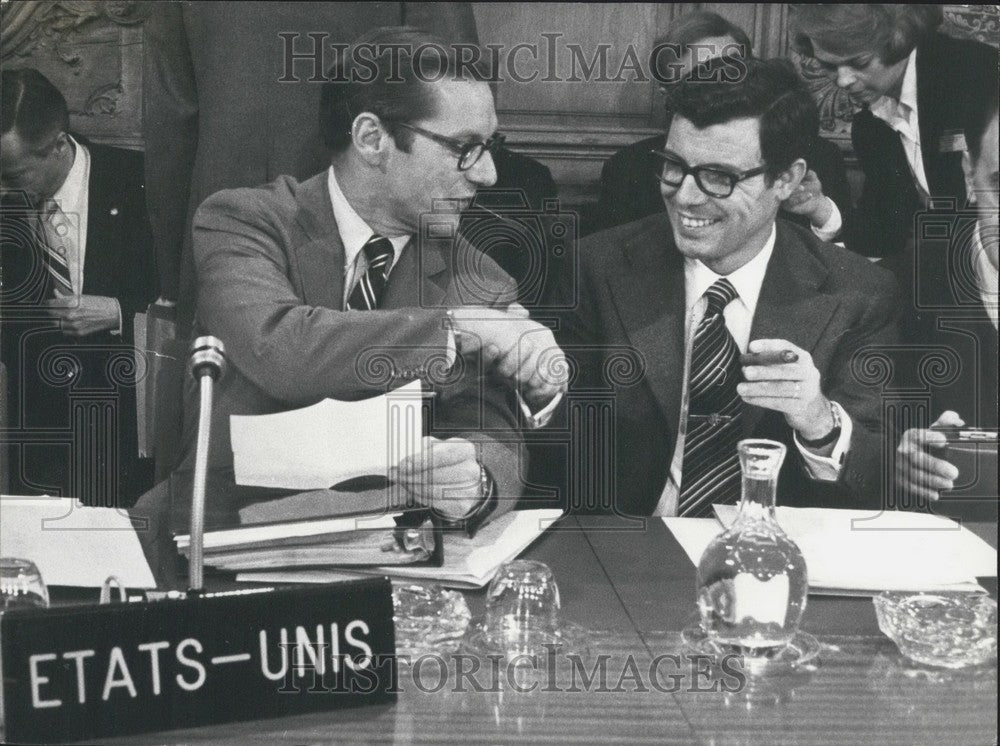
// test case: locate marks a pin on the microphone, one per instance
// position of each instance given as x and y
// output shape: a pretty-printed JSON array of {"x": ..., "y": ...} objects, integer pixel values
[{"x": 207, "y": 365}]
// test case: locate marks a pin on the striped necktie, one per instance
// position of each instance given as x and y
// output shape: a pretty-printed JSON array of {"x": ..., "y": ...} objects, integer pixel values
[
  {"x": 367, "y": 292},
  {"x": 54, "y": 250},
  {"x": 711, "y": 470}
]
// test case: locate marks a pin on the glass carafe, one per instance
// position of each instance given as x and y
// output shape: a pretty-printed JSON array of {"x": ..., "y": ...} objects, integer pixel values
[{"x": 752, "y": 581}]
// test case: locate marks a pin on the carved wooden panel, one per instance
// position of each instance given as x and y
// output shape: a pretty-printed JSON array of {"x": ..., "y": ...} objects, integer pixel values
[{"x": 92, "y": 51}]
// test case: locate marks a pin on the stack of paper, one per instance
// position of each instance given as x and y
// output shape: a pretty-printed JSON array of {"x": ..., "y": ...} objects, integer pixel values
[
  {"x": 345, "y": 540},
  {"x": 72, "y": 544},
  {"x": 329, "y": 442},
  {"x": 468, "y": 563},
  {"x": 856, "y": 551}
]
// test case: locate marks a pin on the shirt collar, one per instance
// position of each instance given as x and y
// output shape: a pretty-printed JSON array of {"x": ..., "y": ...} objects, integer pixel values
[
  {"x": 885, "y": 107},
  {"x": 70, "y": 195},
  {"x": 746, "y": 280},
  {"x": 354, "y": 231}
]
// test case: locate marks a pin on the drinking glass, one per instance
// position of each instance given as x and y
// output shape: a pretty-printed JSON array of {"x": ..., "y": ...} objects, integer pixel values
[{"x": 21, "y": 585}]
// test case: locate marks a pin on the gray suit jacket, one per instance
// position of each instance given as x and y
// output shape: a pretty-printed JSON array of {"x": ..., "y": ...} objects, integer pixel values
[
  {"x": 270, "y": 267},
  {"x": 627, "y": 335}
]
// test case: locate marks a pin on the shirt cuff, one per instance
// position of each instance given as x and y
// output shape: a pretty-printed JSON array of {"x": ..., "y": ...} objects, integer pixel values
[
  {"x": 827, "y": 468},
  {"x": 829, "y": 230},
  {"x": 117, "y": 331}
]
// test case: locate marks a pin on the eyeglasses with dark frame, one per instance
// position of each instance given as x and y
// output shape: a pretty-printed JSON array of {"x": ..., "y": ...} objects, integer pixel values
[
  {"x": 714, "y": 181},
  {"x": 468, "y": 153}
]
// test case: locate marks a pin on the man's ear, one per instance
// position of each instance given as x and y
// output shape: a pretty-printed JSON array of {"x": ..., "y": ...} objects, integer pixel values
[
  {"x": 789, "y": 179},
  {"x": 370, "y": 138}
]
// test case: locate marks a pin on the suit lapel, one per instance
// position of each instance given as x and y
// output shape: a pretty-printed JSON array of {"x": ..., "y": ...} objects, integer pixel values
[
  {"x": 791, "y": 305},
  {"x": 649, "y": 297},
  {"x": 419, "y": 277},
  {"x": 320, "y": 256},
  {"x": 100, "y": 265}
]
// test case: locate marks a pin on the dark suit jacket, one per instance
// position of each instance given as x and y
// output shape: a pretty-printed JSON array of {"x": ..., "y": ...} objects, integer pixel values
[
  {"x": 951, "y": 75},
  {"x": 627, "y": 336},
  {"x": 522, "y": 242},
  {"x": 270, "y": 268},
  {"x": 630, "y": 190},
  {"x": 118, "y": 264}
]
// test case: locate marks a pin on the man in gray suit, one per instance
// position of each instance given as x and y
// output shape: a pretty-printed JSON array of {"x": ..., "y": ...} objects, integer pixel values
[
  {"x": 684, "y": 295},
  {"x": 352, "y": 282}
]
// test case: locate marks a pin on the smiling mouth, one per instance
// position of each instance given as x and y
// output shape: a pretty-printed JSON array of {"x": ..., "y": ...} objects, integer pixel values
[{"x": 692, "y": 223}]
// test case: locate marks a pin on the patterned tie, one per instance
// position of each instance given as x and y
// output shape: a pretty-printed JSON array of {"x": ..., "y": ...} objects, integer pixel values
[
  {"x": 53, "y": 230},
  {"x": 711, "y": 470},
  {"x": 368, "y": 291}
]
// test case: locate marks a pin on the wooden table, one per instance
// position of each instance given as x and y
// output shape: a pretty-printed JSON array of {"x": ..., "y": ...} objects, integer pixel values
[{"x": 633, "y": 587}]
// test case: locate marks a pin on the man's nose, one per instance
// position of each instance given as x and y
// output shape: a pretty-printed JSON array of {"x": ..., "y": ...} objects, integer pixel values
[
  {"x": 845, "y": 77},
  {"x": 484, "y": 172}
]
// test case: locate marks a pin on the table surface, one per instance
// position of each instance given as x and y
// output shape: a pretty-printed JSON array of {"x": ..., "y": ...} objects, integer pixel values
[{"x": 632, "y": 586}]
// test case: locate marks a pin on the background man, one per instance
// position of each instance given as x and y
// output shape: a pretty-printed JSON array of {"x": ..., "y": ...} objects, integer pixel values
[
  {"x": 77, "y": 266},
  {"x": 714, "y": 276},
  {"x": 628, "y": 179},
  {"x": 921, "y": 91},
  {"x": 306, "y": 282},
  {"x": 960, "y": 313}
]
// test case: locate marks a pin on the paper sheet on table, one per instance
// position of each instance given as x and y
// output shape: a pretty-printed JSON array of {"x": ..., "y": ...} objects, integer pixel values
[
  {"x": 468, "y": 563},
  {"x": 72, "y": 544},
  {"x": 849, "y": 551},
  {"x": 330, "y": 442}
]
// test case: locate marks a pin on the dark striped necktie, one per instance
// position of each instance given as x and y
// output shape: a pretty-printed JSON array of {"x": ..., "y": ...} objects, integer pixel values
[
  {"x": 368, "y": 290},
  {"x": 710, "y": 472},
  {"x": 55, "y": 253}
]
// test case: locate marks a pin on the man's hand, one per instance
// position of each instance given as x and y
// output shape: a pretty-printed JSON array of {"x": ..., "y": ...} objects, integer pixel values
[
  {"x": 521, "y": 349},
  {"x": 83, "y": 315},
  {"x": 444, "y": 476},
  {"x": 808, "y": 199},
  {"x": 791, "y": 388},
  {"x": 917, "y": 471}
]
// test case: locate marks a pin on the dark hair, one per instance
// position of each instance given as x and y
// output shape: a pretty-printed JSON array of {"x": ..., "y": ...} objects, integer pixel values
[
  {"x": 388, "y": 72},
  {"x": 890, "y": 32},
  {"x": 31, "y": 106},
  {"x": 725, "y": 88},
  {"x": 703, "y": 24}
]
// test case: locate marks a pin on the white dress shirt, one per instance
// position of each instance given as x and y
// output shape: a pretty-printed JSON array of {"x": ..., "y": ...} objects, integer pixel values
[
  {"x": 747, "y": 281},
  {"x": 902, "y": 116},
  {"x": 988, "y": 280},
  {"x": 66, "y": 226}
]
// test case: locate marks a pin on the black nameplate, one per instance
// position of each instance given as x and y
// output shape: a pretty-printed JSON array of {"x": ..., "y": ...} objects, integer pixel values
[{"x": 84, "y": 672}]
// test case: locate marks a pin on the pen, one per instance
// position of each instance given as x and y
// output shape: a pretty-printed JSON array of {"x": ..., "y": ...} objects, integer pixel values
[{"x": 768, "y": 358}]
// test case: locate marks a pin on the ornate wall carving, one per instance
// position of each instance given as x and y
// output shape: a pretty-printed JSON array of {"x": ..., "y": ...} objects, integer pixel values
[{"x": 92, "y": 51}]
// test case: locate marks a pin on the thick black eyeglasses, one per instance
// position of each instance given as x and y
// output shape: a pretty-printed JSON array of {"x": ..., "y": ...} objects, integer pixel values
[
  {"x": 712, "y": 180},
  {"x": 468, "y": 153}
]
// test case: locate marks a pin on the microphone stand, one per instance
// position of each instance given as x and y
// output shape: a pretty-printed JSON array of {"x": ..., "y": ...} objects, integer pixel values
[{"x": 206, "y": 365}]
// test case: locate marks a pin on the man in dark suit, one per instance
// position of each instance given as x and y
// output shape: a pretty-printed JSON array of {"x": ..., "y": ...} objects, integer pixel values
[
  {"x": 668, "y": 304},
  {"x": 921, "y": 92},
  {"x": 78, "y": 265},
  {"x": 352, "y": 283},
  {"x": 629, "y": 188},
  {"x": 954, "y": 315}
]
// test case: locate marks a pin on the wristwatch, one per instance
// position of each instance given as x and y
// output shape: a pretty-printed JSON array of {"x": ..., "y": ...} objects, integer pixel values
[
  {"x": 830, "y": 437},
  {"x": 475, "y": 518}
]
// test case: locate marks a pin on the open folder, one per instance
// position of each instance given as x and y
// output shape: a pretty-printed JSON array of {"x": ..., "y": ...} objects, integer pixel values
[{"x": 860, "y": 552}]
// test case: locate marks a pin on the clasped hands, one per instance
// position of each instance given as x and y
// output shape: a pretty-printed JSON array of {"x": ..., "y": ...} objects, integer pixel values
[
  {"x": 80, "y": 316},
  {"x": 519, "y": 349},
  {"x": 790, "y": 388}
]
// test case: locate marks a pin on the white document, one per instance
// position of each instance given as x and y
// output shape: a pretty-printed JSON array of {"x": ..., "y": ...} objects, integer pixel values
[
  {"x": 72, "y": 544},
  {"x": 329, "y": 442},
  {"x": 852, "y": 550},
  {"x": 468, "y": 563}
]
